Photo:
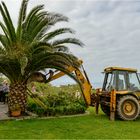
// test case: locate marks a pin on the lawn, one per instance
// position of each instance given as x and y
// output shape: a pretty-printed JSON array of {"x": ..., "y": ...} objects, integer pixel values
[{"x": 83, "y": 127}]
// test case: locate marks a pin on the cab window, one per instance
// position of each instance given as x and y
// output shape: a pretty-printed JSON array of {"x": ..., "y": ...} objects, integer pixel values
[
  {"x": 122, "y": 80},
  {"x": 110, "y": 82},
  {"x": 133, "y": 82}
]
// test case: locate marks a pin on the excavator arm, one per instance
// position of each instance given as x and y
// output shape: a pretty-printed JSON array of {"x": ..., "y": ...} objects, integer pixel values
[{"x": 81, "y": 75}]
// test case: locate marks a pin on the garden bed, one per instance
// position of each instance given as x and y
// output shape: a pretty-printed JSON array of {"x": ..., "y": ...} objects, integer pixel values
[{"x": 58, "y": 104}]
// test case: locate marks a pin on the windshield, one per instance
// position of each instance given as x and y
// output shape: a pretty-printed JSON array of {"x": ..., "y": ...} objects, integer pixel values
[
  {"x": 122, "y": 80},
  {"x": 133, "y": 82}
]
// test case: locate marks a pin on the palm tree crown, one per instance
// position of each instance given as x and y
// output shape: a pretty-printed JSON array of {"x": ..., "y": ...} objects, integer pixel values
[{"x": 30, "y": 47}]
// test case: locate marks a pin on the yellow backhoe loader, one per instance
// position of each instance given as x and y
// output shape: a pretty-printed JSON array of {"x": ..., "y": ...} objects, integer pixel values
[{"x": 118, "y": 98}]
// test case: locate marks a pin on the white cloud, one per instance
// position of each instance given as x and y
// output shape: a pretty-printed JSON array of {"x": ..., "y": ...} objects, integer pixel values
[{"x": 110, "y": 30}]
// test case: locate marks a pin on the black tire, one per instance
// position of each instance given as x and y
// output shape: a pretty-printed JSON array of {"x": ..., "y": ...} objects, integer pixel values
[
  {"x": 128, "y": 108},
  {"x": 105, "y": 109}
]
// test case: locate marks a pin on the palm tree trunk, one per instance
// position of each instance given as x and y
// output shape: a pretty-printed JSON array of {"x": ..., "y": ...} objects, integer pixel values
[{"x": 17, "y": 97}]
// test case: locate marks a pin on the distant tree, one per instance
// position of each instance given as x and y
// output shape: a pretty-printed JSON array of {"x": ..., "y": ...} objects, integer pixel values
[{"x": 31, "y": 47}]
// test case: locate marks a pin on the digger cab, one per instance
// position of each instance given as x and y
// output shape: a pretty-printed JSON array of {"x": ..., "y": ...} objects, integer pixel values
[
  {"x": 121, "y": 79},
  {"x": 120, "y": 95}
]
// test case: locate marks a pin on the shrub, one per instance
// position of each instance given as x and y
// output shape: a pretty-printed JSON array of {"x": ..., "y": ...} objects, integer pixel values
[{"x": 63, "y": 103}]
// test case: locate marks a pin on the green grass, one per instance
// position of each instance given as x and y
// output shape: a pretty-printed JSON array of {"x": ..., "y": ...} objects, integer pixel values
[{"x": 83, "y": 127}]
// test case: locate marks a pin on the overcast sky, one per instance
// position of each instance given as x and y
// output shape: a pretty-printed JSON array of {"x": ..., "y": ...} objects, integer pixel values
[{"x": 110, "y": 30}]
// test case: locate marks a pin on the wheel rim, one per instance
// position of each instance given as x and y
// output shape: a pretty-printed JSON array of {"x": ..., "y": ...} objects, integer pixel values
[{"x": 129, "y": 108}]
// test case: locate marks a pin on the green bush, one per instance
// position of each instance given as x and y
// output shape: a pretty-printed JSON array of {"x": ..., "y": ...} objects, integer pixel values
[{"x": 63, "y": 103}]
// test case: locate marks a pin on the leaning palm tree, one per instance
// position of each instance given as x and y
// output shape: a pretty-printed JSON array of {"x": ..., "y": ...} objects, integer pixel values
[{"x": 32, "y": 47}]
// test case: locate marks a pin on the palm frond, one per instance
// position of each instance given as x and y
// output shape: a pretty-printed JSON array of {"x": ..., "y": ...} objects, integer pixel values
[
  {"x": 42, "y": 22},
  {"x": 57, "y": 32},
  {"x": 35, "y": 24},
  {"x": 55, "y": 18},
  {"x": 35, "y": 21},
  {"x": 38, "y": 47},
  {"x": 6, "y": 73},
  {"x": 67, "y": 40},
  {"x": 31, "y": 15},
  {"x": 61, "y": 48},
  {"x": 4, "y": 42},
  {"x": 21, "y": 19},
  {"x": 41, "y": 33},
  {"x": 52, "y": 19},
  {"x": 8, "y": 22},
  {"x": 10, "y": 68},
  {"x": 39, "y": 61},
  {"x": 37, "y": 29},
  {"x": 6, "y": 33},
  {"x": 2, "y": 51}
]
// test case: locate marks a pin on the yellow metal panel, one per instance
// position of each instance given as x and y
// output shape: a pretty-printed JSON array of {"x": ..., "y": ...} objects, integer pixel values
[
  {"x": 110, "y": 69},
  {"x": 112, "y": 105},
  {"x": 86, "y": 87},
  {"x": 123, "y": 92},
  {"x": 136, "y": 94}
]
